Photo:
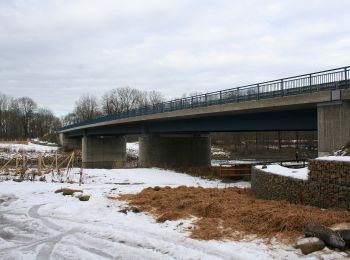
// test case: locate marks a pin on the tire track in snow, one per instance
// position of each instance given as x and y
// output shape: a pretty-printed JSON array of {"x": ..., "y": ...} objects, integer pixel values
[{"x": 33, "y": 213}]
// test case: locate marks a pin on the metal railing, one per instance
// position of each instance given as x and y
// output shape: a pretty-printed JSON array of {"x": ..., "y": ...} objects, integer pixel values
[{"x": 308, "y": 83}]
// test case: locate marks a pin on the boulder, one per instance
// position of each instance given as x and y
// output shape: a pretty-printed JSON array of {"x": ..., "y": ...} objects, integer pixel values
[
  {"x": 134, "y": 210},
  {"x": 345, "y": 235},
  {"x": 309, "y": 245},
  {"x": 327, "y": 235},
  {"x": 84, "y": 197},
  {"x": 66, "y": 191}
]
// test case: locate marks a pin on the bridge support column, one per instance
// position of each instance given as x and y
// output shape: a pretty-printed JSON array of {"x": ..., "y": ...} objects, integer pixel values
[
  {"x": 69, "y": 143},
  {"x": 104, "y": 152},
  {"x": 178, "y": 150},
  {"x": 333, "y": 126}
]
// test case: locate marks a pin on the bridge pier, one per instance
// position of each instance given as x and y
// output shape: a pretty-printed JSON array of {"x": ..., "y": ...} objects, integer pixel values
[
  {"x": 69, "y": 143},
  {"x": 177, "y": 150},
  {"x": 103, "y": 152},
  {"x": 333, "y": 126}
]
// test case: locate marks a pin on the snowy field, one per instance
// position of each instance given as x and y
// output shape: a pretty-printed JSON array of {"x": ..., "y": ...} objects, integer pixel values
[
  {"x": 36, "y": 223},
  {"x": 31, "y": 150},
  {"x": 30, "y": 147}
]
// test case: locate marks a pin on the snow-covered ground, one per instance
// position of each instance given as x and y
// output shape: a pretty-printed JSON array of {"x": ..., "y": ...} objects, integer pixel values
[
  {"x": 335, "y": 158},
  {"x": 9, "y": 151},
  {"x": 132, "y": 149},
  {"x": 301, "y": 173},
  {"x": 36, "y": 223},
  {"x": 28, "y": 147}
]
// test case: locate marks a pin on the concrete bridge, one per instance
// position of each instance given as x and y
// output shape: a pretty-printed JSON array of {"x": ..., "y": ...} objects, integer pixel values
[{"x": 176, "y": 133}]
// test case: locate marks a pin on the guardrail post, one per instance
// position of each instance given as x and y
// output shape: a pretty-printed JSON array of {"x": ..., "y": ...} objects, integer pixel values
[
  {"x": 206, "y": 100},
  {"x": 310, "y": 80},
  {"x": 191, "y": 102},
  {"x": 237, "y": 94},
  {"x": 220, "y": 97},
  {"x": 258, "y": 91},
  {"x": 282, "y": 90},
  {"x": 346, "y": 76}
]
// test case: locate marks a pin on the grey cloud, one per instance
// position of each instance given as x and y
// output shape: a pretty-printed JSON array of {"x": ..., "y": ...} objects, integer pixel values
[{"x": 53, "y": 51}]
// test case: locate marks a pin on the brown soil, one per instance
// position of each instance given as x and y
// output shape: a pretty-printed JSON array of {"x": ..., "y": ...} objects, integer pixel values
[{"x": 231, "y": 212}]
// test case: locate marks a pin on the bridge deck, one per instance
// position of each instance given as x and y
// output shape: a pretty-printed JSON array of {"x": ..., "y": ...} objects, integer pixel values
[{"x": 308, "y": 88}]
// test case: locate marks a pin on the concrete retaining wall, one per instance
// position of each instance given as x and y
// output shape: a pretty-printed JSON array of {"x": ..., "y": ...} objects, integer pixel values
[{"x": 328, "y": 185}]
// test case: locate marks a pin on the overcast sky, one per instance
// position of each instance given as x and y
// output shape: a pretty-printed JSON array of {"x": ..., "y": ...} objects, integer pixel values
[{"x": 54, "y": 51}]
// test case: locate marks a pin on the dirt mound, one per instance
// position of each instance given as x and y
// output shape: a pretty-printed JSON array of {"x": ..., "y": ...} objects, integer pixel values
[{"x": 231, "y": 212}]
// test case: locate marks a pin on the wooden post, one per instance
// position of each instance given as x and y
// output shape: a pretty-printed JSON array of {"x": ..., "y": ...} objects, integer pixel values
[
  {"x": 56, "y": 162},
  {"x": 17, "y": 161},
  {"x": 39, "y": 163}
]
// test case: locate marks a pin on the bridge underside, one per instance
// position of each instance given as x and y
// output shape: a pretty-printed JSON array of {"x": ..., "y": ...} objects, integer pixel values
[
  {"x": 182, "y": 142},
  {"x": 288, "y": 120}
]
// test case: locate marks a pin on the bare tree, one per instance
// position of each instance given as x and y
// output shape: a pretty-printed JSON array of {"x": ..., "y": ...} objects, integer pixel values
[
  {"x": 69, "y": 119},
  {"x": 125, "y": 99},
  {"x": 155, "y": 97},
  {"x": 87, "y": 108},
  {"x": 26, "y": 108},
  {"x": 111, "y": 103}
]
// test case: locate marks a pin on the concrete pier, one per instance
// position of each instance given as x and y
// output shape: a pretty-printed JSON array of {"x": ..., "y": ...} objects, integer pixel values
[
  {"x": 103, "y": 152},
  {"x": 333, "y": 126},
  {"x": 177, "y": 150},
  {"x": 69, "y": 143}
]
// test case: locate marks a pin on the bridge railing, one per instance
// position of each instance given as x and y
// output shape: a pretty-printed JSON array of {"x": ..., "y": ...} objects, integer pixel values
[{"x": 308, "y": 83}]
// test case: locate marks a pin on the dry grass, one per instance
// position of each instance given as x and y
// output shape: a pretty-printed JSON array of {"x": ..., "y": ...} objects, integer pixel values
[
  {"x": 231, "y": 212},
  {"x": 14, "y": 142}
]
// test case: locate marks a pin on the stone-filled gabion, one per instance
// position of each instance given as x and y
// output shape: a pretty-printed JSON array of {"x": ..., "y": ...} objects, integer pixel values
[{"x": 328, "y": 185}]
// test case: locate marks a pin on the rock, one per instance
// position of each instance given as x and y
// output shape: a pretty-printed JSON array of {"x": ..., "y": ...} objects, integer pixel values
[
  {"x": 134, "y": 209},
  {"x": 17, "y": 180},
  {"x": 344, "y": 234},
  {"x": 84, "y": 197},
  {"x": 42, "y": 178},
  {"x": 309, "y": 245},
  {"x": 327, "y": 235},
  {"x": 156, "y": 188},
  {"x": 66, "y": 191},
  {"x": 125, "y": 211}
]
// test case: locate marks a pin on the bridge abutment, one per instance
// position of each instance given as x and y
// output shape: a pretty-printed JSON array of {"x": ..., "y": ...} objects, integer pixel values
[
  {"x": 69, "y": 143},
  {"x": 103, "y": 152},
  {"x": 333, "y": 126},
  {"x": 177, "y": 150}
]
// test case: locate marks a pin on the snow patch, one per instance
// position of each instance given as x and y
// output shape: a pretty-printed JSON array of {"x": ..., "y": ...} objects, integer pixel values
[
  {"x": 276, "y": 169},
  {"x": 29, "y": 147},
  {"x": 334, "y": 158}
]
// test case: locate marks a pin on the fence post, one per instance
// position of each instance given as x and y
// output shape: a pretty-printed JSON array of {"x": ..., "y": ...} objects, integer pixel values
[
  {"x": 220, "y": 97},
  {"x": 258, "y": 91},
  {"x": 237, "y": 94},
  {"x": 206, "y": 100}
]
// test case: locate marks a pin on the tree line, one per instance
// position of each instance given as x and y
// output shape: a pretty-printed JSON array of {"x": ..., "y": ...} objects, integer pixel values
[
  {"x": 21, "y": 118},
  {"x": 114, "y": 101}
]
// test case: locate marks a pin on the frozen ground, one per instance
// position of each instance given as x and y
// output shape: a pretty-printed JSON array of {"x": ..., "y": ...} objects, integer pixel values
[{"x": 36, "y": 223}]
